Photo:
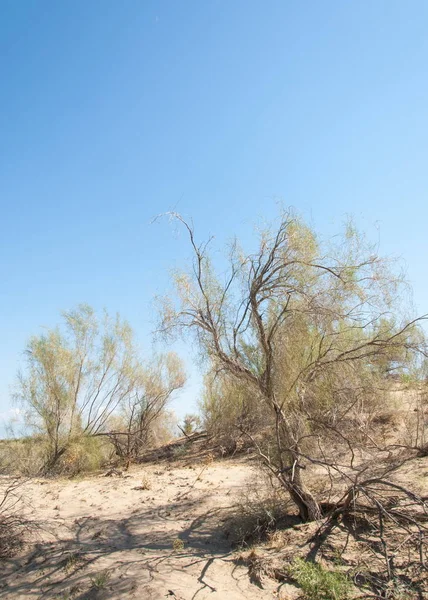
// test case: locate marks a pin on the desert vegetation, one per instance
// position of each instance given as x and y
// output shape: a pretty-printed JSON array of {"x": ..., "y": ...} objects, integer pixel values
[
  {"x": 84, "y": 383},
  {"x": 304, "y": 341},
  {"x": 315, "y": 374},
  {"x": 305, "y": 332}
]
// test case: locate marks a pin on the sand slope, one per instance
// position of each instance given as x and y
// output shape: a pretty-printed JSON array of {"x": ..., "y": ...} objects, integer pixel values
[{"x": 108, "y": 537}]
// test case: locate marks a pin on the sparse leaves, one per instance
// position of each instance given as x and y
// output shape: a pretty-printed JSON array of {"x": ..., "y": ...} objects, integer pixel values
[
  {"x": 307, "y": 329},
  {"x": 81, "y": 374}
]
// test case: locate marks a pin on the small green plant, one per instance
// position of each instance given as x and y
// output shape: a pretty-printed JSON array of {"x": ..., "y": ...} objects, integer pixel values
[
  {"x": 178, "y": 545},
  {"x": 337, "y": 557},
  {"x": 191, "y": 424},
  {"x": 318, "y": 583},
  {"x": 71, "y": 562},
  {"x": 100, "y": 580},
  {"x": 179, "y": 452}
]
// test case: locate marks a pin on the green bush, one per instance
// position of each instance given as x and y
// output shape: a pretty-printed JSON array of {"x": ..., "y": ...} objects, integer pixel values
[
  {"x": 317, "y": 583},
  {"x": 27, "y": 456},
  {"x": 84, "y": 454},
  {"x": 100, "y": 580}
]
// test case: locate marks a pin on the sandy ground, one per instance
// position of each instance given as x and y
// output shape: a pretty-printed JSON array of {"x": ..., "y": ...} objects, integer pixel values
[{"x": 109, "y": 537}]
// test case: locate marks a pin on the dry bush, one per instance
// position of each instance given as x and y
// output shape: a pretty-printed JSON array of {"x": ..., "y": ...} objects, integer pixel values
[
  {"x": 13, "y": 525},
  {"x": 379, "y": 530},
  {"x": 262, "y": 509},
  {"x": 23, "y": 456},
  {"x": 144, "y": 419},
  {"x": 75, "y": 377},
  {"x": 27, "y": 456},
  {"x": 415, "y": 421},
  {"x": 229, "y": 413}
]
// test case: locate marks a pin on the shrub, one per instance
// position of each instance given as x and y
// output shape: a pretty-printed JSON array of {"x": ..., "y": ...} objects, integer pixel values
[
  {"x": 84, "y": 454},
  {"x": 12, "y": 523},
  {"x": 228, "y": 409},
  {"x": 100, "y": 580},
  {"x": 261, "y": 510},
  {"x": 318, "y": 583},
  {"x": 178, "y": 545},
  {"x": 179, "y": 452},
  {"x": 23, "y": 456}
]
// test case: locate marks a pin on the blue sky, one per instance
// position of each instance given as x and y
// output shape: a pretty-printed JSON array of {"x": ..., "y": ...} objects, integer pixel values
[{"x": 112, "y": 112}]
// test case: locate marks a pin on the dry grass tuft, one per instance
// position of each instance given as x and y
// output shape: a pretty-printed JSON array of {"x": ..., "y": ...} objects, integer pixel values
[
  {"x": 13, "y": 526},
  {"x": 261, "y": 512}
]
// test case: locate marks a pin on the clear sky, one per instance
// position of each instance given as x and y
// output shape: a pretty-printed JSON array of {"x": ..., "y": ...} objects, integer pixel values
[{"x": 113, "y": 111}]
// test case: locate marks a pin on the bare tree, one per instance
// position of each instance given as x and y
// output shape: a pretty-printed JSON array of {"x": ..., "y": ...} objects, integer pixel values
[{"x": 309, "y": 328}]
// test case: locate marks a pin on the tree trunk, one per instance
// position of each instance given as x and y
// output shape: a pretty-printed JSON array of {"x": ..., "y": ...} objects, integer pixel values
[
  {"x": 52, "y": 461},
  {"x": 309, "y": 509},
  {"x": 291, "y": 476}
]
